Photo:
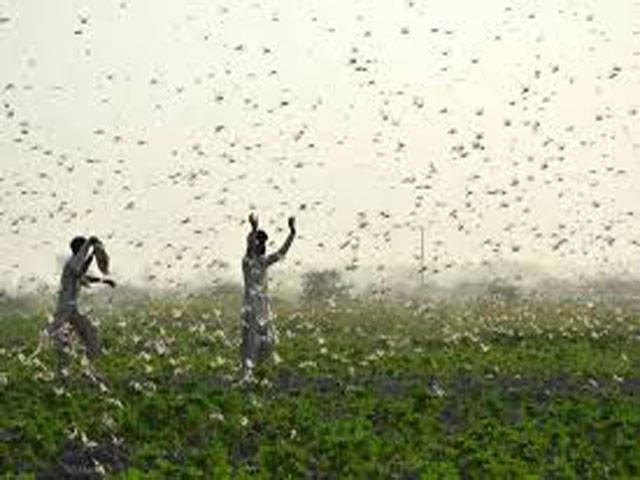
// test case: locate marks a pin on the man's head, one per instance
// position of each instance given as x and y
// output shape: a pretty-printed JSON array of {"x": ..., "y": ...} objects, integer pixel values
[
  {"x": 258, "y": 242},
  {"x": 261, "y": 242},
  {"x": 77, "y": 243}
]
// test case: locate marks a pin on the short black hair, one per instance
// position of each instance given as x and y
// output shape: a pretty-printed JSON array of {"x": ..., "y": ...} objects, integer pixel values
[{"x": 77, "y": 243}]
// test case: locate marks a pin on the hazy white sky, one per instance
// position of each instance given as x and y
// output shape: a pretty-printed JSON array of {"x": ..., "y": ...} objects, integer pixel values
[{"x": 508, "y": 129}]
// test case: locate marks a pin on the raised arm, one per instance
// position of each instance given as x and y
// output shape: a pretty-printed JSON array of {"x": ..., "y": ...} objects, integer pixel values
[
  {"x": 79, "y": 260},
  {"x": 87, "y": 264},
  {"x": 253, "y": 220},
  {"x": 282, "y": 251}
]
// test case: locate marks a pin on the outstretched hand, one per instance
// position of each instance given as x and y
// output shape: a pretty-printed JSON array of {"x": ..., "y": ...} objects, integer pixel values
[
  {"x": 292, "y": 224},
  {"x": 253, "y": 220}
]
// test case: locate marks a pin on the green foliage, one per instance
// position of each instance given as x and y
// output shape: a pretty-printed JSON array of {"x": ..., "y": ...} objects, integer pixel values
[
  {"x": 491, "y": 389},
  {"x": 323, "y": 285}
]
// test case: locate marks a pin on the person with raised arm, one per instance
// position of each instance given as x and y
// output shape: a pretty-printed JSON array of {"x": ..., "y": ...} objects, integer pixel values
[
  {"x": 258, "y": 336},
  {"x": 74, "y": 277}
]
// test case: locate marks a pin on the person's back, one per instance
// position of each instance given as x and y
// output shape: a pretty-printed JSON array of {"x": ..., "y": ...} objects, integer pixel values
[
  {"x": 69, "y": 285},
  {"x": 254, "y": 270}
]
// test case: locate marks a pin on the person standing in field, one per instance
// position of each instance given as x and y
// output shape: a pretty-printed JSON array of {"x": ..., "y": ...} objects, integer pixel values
[
  {"x": 74, "y": 276},
  {"x": 257, "y": 329}
]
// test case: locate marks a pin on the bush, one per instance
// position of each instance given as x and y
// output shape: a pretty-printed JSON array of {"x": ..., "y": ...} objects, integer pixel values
[{"x": 324, "y": 285}]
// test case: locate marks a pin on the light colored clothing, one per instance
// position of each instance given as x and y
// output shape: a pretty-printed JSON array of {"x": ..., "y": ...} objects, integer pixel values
[
  {"x": 83, "y": 327},
  {"x": 67, "y": 312},
  {"x": 71, "y": 279},
  {"x": 258, "y": 333}
]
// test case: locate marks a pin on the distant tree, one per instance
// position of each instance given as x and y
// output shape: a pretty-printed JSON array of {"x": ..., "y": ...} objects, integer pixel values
[
  {"x": 467, "y": 289},
  {"x": 503, "y": 290},
  {"x": 323, "y": 285}
]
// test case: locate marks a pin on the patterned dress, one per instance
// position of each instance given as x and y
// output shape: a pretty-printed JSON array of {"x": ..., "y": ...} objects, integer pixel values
[{"x": 258, "y": 334}]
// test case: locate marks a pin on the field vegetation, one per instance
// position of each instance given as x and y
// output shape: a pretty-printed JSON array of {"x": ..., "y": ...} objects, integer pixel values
[{"x": 497, "y": 385}]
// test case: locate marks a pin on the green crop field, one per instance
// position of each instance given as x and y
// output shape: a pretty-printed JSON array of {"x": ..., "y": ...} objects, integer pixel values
[{"x": 363, "y": 389}]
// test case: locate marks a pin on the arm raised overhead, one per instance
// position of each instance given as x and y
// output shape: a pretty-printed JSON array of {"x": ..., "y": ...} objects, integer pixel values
[
  {"x": 79, "y": 263},
  {"x": 282, "y": 251}
]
